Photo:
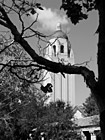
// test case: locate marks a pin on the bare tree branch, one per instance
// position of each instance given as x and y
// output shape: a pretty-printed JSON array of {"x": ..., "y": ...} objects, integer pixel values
[
  {"x": 31, "y": 24},
  {"x": 33, "y": 77},
  {"x": 47, "y": 64}
]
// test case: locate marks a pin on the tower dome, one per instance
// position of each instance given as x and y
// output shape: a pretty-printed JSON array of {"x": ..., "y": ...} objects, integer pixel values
[{"x": 59, "y": 33}]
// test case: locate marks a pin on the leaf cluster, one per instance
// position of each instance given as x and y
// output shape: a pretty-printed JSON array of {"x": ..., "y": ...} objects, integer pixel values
[
  {"x": 78, "y": 10},
  {"x": 90, "y": 106}
]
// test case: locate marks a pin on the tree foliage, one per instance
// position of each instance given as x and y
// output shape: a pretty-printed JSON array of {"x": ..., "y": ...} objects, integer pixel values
[
  {"x": 90, "y": 106},
  {"x": 20, "y": 99},
  {"x": 20, "y": 108},
  {"x": 56, "y": 123},
  {"x": 78, "y": 10}
]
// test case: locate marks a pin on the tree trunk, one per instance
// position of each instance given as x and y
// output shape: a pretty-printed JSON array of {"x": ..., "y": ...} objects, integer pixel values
[
  {"x": 101, "y": 66},
  {"x": 102, "y": 124},
  {"x": 100, "y": 100}
]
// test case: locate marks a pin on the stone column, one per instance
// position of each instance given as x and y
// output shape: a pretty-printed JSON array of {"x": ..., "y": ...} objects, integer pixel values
[{"x": 93, "y": 135}]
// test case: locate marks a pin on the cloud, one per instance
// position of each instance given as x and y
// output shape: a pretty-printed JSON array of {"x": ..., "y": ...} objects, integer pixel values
[{"x": 49, "y": 18}]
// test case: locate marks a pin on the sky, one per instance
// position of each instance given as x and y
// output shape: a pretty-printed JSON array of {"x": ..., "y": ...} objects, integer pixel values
[{"x": 82, "y": 37}]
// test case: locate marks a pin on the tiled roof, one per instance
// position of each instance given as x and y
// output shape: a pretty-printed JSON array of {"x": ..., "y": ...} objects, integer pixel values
[
  {"x": 80, "y": 108},
  {"x": 88, "y": 121}
]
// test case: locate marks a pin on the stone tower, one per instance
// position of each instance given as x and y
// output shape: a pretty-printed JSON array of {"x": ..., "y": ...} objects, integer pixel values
[{"x": 59, "y": 50}]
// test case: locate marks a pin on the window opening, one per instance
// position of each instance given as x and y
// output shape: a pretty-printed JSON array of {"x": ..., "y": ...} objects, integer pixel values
[
  {"x": 54, "y": 48},
  {"x": 68, "y": 52},
  {"x": 62, "y": 49}
]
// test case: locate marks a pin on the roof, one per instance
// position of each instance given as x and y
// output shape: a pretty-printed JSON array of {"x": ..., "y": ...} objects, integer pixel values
[
  {"x": 80, "y": 108},
  {"x": 59, "y": 34},
  {"x": 88, "y": 121}
]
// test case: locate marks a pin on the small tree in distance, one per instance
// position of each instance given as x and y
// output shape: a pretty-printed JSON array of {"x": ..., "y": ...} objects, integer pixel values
[{"x": 90, "y": 106}]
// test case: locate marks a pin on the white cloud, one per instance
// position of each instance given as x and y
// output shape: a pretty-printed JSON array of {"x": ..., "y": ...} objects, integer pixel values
[{"x": 49, "y": 18}]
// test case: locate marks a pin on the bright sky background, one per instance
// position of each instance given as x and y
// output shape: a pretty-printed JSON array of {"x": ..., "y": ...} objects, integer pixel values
[{"x": 82, "y": 37}]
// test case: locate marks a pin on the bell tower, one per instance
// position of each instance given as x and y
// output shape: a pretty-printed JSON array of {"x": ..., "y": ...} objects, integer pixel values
[{"x": 59, "y": 50}]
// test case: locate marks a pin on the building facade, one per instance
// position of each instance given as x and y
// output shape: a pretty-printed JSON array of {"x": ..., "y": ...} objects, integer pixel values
[
  {"x": 88, "y": 127},
  {"x": 59, "y": 50}
]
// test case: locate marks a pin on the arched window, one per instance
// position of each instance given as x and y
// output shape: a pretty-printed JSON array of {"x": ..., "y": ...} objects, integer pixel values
[
  {"x": 61, "y": 49},
  {"x": 54, "y": 49}
]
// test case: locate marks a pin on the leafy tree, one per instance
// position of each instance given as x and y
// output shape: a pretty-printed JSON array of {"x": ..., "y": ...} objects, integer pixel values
[
  {"x": 90, "y": 106},
  {"x": 20, "y": 103},
  {"x": 56, "y": 122},
  {"x": 20, "y": 100},
  {"x": 76, "y": 10}
]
